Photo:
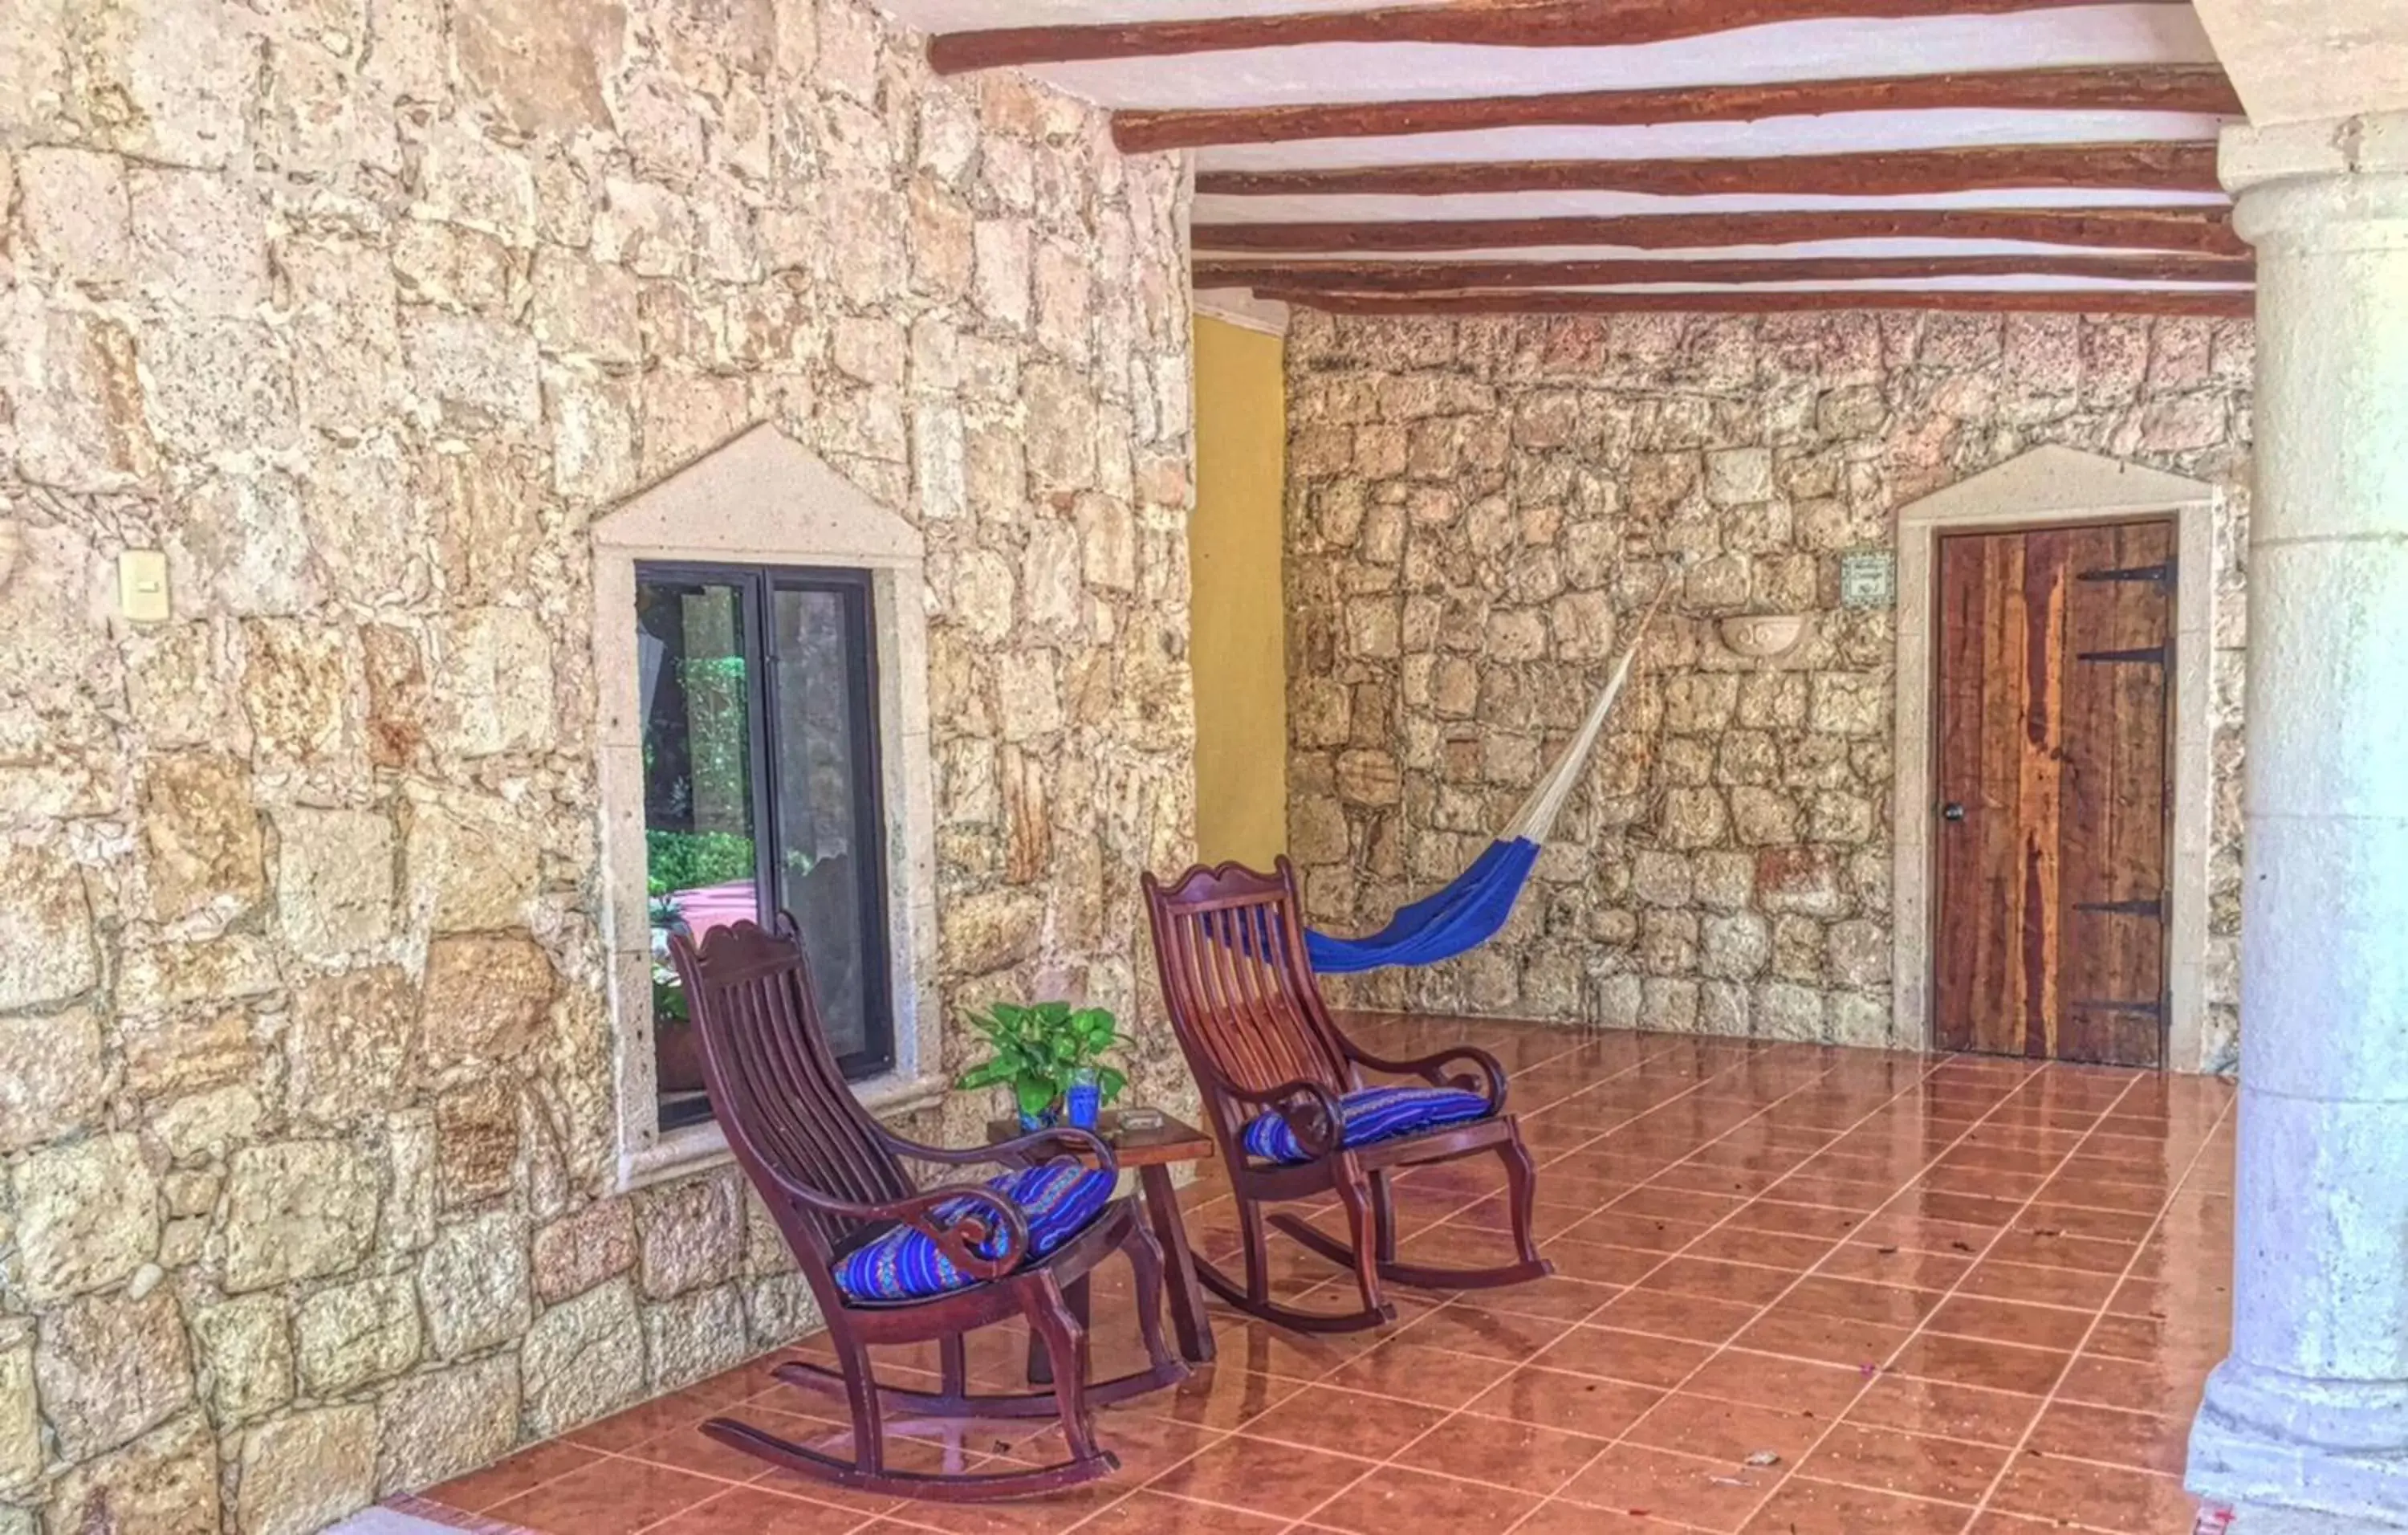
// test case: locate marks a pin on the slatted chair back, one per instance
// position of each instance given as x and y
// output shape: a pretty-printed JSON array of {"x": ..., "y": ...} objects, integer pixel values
[
  {"x": 1241, "y": 997},
  {"x": 775, "y": 1085}
]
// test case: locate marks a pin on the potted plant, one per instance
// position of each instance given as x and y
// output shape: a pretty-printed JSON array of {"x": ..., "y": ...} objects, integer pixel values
[
  {"x": 677, "y": 1049},
  {"x": 1050, "y": 1055}
]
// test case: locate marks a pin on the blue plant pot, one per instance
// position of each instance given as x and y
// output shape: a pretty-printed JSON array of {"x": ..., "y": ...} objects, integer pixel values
[
  {"x": 1045, "y": 1121},
  {"x": 1084, "y": 1102}
]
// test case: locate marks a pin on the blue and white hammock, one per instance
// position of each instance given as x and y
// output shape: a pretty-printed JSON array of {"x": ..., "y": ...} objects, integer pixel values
[{"x": 1468, "y": 909}]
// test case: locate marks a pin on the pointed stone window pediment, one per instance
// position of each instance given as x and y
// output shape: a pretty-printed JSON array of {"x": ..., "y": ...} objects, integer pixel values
[
  {"x": 762, "y": 490},
  {"x": 2053, "y": 482}
]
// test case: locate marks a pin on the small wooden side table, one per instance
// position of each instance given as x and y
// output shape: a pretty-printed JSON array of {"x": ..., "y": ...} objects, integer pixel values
[{"x": 1152, "y": 1151}]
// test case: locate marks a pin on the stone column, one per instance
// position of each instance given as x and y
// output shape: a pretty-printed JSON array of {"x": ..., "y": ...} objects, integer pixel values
[{"x": 2305, "y": 1426}]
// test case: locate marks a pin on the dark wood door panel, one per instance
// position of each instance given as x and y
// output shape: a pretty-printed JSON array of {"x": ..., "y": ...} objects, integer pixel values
[{"x": 2055, "y": 653}]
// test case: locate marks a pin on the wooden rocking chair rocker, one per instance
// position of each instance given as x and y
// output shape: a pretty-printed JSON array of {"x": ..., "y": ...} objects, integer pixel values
[
  {"x": 1291, "y": 1111},
  {"x": 892, "y": 1264}
]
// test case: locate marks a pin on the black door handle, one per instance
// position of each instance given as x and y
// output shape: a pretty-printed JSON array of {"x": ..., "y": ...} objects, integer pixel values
[{"x": 1952, "y": 812}]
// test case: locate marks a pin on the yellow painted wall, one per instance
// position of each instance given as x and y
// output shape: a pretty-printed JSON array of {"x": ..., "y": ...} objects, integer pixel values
[{"x": 1238, "y": 638}]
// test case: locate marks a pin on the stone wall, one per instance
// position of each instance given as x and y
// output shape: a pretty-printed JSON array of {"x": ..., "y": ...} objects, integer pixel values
[
  {"x": 363, "y": 311},
  {"x": 1477, "y": 509}
]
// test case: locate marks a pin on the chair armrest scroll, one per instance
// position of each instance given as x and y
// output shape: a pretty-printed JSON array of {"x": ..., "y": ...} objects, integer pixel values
[
  {"x": 1310, "y": 1111},
  {"x": 961, "y": 1235},
  {"x": 958, "y": 1237},
  {"x": 1489, "y": 1081}
]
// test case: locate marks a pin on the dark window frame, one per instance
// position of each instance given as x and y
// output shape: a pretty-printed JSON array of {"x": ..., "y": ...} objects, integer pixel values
[{"x": 855, "y": 589}]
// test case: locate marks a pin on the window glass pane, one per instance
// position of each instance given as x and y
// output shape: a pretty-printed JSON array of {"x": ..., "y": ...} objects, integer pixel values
[
  {"x": 701, "y": 865},
  {"x": 826, "y": 855}
]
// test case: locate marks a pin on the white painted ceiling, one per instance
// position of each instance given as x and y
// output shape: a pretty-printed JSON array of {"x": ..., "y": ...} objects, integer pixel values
[{"x": 2128, "y": 35}]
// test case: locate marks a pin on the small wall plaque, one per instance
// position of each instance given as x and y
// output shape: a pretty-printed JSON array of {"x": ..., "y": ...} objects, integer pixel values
[{"x": 1868, "y": 578}]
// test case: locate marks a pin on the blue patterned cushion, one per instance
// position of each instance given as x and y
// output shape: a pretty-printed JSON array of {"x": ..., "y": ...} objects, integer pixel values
[
  {"x": 1060, "y": 1200},
  {"x": 1371, "y": 1113}
]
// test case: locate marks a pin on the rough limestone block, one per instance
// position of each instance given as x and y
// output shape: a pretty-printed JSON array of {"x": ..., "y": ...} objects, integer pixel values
[
  {"x": 110, "y": 1368},
  {"x": 346, "y": 330},
  {"x": 246, "y": 1357},
  {"x": 47, "y": 952},
  {"x": 1738, "y": 476},
  {"x": 245, "y": 542},
  {"x": 1783, "y": 1011},
  {"x": 298, "y": 1210},
  {"x": 302, "y": 1473},
  {"x": 216, "y": 386},
  {"x": 355, "y": 1335},
  {"x": 780, "y": 1307},
  {"x": 166, "y": 1483},
  {"x": 578, "y": 1252},
  {"x": 582, "y": 1358},
  {"x": 201, "y": 237},
  {"x": 436, "y": 1425},
  {"x": 689, "y": 1233},
  {"x": 476, "y": 1144},
  {"x": 334, "y": 880},
  {"x": 493, "y": 687},
  {"x": 301, "y": 686},
  {"x": 697, "y": 1336},
  {"x": 86, "y": 1217},
  {"x": 472, "y": 1280},
  {"x": 484, "y": 995},
  {"x": 53, "y": 1075},
  {"x": 74, "y": 214},
  {"x": 205, "y": 1126},
  {"x": 476, "y": 369},
  {"x": 22, "y": 1455},
  {"x": 348, "y": 1042},
  {"x": 410, "y": 1200},
  {"x": 200, "y": 836}
]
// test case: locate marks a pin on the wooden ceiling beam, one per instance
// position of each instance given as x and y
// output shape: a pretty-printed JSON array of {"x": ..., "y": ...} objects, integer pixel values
[
  {"x": 2153, "y": 87},
  {"x": 1761, "y": 301},
  {"x": 1409, "y": 277},
  {"x": 1529, "y": 23},
  {"x": 2202, "y": 231},
  {"x": 2173, "y": 166}
]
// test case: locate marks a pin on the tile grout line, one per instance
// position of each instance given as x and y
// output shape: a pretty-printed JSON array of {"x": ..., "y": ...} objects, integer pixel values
[
  {"x": 1301, "y": 1387},
  {"x": 1570, "y": 1329},
  {"x": 1457, "y": 1205},
  {"x": 1617, "y": 1127},
  {"x": 1622, "y": 1437},
  {"x": 600, "y": 1454},
  {"x": 2174, "y": 1191},
  {"x": 1738, "y": 1065},
  {"x": 1922, "y": 1322}
]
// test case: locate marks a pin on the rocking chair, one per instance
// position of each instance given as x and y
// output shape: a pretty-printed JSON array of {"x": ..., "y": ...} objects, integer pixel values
[
  {"x": 1295, "y": 1118},
  {"x": 892, "y": 1264}
]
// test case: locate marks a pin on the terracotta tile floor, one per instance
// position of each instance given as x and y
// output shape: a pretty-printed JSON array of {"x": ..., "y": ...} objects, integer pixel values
[{"x": 1799, "y": 1290}]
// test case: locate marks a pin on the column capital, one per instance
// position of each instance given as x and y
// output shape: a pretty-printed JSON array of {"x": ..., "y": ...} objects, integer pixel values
[{"x": 2333, "y": 184}]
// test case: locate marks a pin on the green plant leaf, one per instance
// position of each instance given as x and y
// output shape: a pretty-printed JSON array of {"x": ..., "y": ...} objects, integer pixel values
[
  {"x": 1034, "y": 1095},
  {"x": 1039, "y": 1047},
  {"x": 986, "y": 1074}
]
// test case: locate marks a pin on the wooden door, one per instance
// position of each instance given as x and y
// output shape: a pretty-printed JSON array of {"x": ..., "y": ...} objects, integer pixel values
[{"x": 2050, "y": 819}]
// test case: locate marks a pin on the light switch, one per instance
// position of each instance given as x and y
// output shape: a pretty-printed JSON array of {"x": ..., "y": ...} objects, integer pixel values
[{"x": 142, "y": 585}]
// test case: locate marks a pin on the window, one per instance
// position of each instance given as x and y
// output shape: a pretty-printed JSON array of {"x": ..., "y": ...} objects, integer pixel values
[
  {"x": 761, "y": 783},
  {"x": 758, "y": 516}
]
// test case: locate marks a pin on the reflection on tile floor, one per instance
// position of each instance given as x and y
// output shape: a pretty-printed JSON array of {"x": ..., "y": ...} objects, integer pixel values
[{"x": 1799, "y": 1290}]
